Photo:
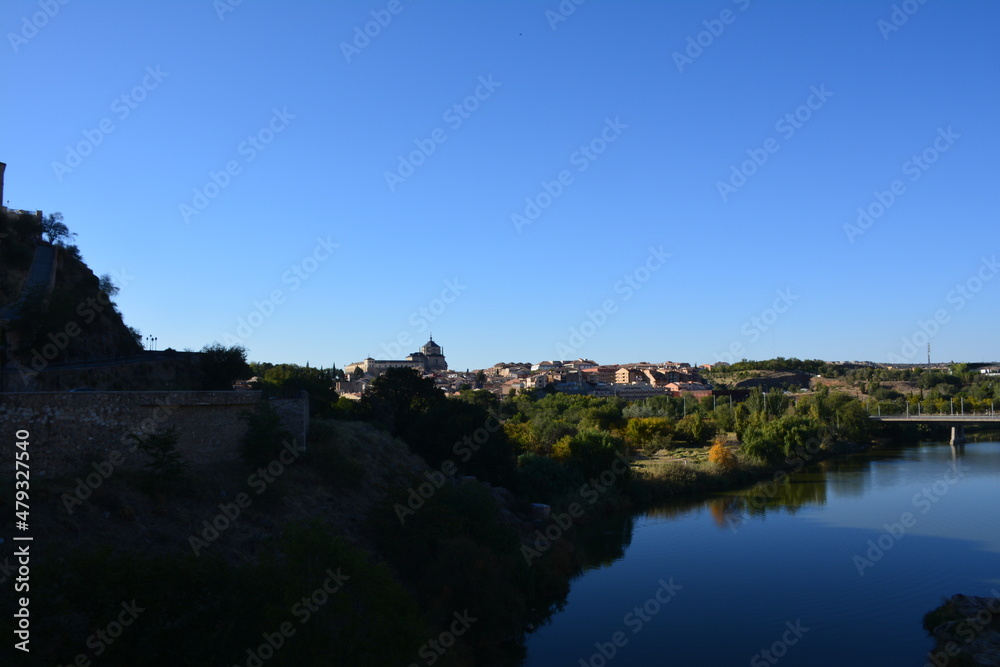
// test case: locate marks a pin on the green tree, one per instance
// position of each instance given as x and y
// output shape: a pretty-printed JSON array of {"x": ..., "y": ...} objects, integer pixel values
[
  {"x": 640, "y": 431},
  {"x": 107, "y": 285},
  {"x": 778, "y": 438},
  {"x": 265, "y": 435},
  {"x": 397, "y": 396},
  {"x": 466, "y": 434},
  {"x": 164, "y": 461},
  {"x": 283, "y": 379},
  {"x": 54, "y": 227},
  {"x": 223, "y": 365}
]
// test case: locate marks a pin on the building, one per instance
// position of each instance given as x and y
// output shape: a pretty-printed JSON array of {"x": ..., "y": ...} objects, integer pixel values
[
  {"x": 431, "y": 355},
  {"x": 430, "y": 359},
  {"x": 627, "y": 375},
  {"x": 546, "y": 366},
  {"x": 635, "y": 392}
]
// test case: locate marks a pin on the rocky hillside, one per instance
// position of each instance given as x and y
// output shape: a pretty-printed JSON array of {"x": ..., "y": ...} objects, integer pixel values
[{"x": 76, "y": 321}]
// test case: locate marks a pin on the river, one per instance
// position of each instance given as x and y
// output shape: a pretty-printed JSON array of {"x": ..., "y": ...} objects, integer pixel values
[{"x": 835, "y": 567}]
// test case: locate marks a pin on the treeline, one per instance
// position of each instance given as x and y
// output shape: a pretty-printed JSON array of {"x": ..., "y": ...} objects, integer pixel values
[
  {"x": 811, "y": 366},
  {"x": 929, "y": 391}
]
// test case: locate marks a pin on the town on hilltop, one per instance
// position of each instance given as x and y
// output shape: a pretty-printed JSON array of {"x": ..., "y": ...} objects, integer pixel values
[
  {"x": 579, "y": 376},
  {"x": 630, "y": 381}
]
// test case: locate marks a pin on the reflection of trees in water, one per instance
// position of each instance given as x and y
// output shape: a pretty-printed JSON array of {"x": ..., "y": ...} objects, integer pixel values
[
  {"x": 605, "y": 540},
  {"x": 587, "y": 546},
  {"x": 732, "y": 509},
  {"x": 809, "y": 486},
  {"x": 676, "y": 508}
]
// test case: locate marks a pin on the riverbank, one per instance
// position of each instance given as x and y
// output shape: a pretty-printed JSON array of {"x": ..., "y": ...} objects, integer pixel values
[{"x": 691, "y": 471}]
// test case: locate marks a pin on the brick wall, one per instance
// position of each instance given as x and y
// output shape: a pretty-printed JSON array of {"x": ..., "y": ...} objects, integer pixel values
[{"x": 71, "y": 430}]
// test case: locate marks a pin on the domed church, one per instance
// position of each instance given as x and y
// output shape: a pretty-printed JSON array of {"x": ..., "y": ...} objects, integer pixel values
[{"x": 431, "y": 355}]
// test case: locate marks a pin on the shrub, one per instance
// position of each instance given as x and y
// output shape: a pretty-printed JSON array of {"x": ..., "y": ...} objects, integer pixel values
[
  {"x": 164, "y": 461},
  {"x": 327, "y": 455},
  {"x": 721, "y": 455},
  {"x": 656, "y": 443},
  {"x": 264, "y": 437}
]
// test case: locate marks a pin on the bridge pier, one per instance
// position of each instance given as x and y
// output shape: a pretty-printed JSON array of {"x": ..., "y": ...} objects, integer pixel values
[{"x": 958, "y": 435}]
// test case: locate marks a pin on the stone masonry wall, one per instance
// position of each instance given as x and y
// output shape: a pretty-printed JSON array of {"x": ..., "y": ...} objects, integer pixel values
[{"x": 69, "y": 431}]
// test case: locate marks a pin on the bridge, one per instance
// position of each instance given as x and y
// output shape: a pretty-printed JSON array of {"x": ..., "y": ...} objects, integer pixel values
[{"x": 957, "y": 422}]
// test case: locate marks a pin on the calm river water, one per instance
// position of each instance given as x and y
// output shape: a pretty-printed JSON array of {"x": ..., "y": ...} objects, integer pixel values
[{"x": 836, "y": 567}]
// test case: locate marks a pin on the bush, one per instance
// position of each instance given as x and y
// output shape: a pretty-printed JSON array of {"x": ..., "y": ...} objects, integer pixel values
[
  {"x": 165, "y": 462},
  {"x": 656, "y": 443},
  {"x": 722, "y": 456},
  {"x": 770, "y": 441},
  {"x": 223, "y": 609},
  {"x": 265, "y": 436},
  {"x": 329, "y": 458},
  {"x": 540, "y": 479}
]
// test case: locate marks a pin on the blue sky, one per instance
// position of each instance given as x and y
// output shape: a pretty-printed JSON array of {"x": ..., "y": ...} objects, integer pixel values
[{"x": 268, "y": 174}]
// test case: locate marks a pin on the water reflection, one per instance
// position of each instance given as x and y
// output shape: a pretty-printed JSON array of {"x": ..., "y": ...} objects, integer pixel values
[
  {"x": 767, "y": 571},
  {"x": 847, "y": 477},
  {"x": 606, "y": 540}
]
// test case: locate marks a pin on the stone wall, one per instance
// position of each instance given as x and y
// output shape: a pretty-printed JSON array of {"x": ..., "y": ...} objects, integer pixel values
[
  {"x": 69, "y": 430},
  {"x": 148, "y": 371}
]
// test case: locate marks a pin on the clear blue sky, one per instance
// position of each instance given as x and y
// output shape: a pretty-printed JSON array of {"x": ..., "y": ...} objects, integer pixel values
[{"x": 328, "y": 122}]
